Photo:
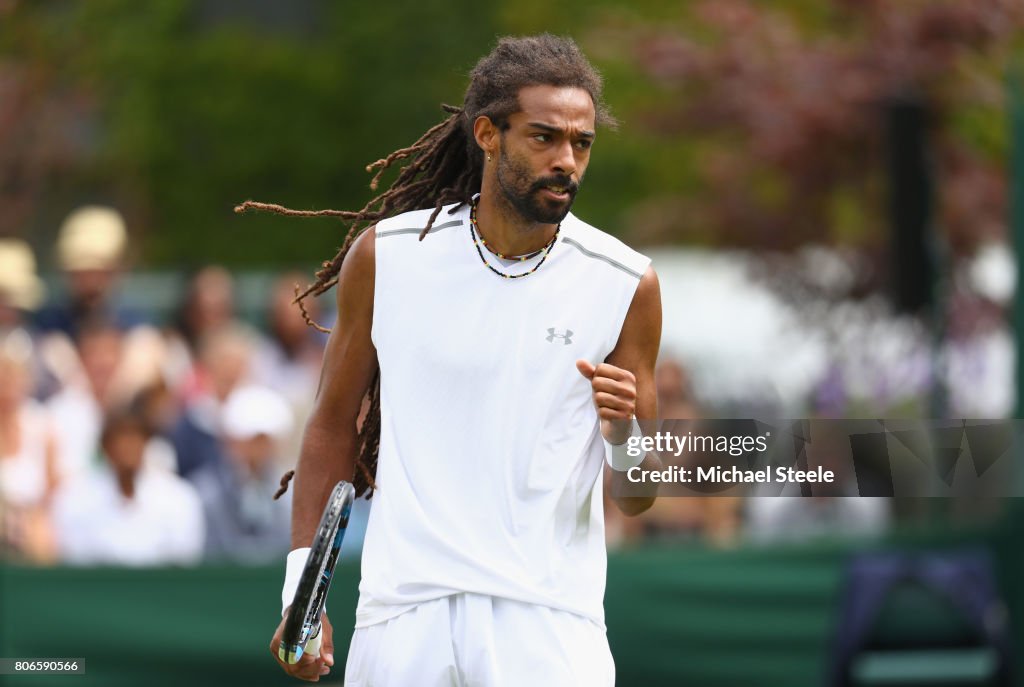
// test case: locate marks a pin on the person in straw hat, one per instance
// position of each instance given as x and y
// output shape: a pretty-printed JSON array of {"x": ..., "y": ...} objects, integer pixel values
[
  {"x": 90, "y": 251},
  {"x": 21, "y": 289}
]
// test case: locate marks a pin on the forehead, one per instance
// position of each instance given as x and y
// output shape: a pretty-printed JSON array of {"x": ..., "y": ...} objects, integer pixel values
[{"x": 561, "y": 106}]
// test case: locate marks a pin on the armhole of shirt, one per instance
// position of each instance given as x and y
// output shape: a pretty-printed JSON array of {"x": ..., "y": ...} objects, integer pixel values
[
  {"x": 628, "y": 264},
  {"x": 630, "y": 294}
]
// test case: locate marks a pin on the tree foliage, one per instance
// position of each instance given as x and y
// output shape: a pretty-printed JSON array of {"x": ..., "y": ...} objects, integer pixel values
[
  {"x": 193, "y": 110},
  {"x": 744, "y": 123},
  {"x": 783, "y": 107}
]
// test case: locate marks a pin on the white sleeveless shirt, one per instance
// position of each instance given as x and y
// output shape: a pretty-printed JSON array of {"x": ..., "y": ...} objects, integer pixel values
[{"x": 490, "y": 452}]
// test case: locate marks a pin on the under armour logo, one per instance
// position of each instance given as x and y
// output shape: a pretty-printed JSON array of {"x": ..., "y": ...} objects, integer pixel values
[{"x": 566, "y": 337}]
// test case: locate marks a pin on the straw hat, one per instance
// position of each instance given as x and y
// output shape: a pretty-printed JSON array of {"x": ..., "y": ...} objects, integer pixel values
[
  {"x": 92, "y": 238},
  {"x": 19, "y": 284}
]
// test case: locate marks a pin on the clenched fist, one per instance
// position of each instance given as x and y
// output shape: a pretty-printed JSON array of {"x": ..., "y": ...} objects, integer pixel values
[
  {"x": 309, "y": 667},
  {"x": 614, "y": 391}
]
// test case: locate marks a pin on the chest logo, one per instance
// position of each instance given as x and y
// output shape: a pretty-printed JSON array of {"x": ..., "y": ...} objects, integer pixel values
[{"x": 565, "y": 336}]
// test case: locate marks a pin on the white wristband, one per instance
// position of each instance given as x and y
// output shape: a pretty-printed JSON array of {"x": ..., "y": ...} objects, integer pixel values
[
  {"x": 628, "y": 454},
  {"x": 293, "y": 571}
]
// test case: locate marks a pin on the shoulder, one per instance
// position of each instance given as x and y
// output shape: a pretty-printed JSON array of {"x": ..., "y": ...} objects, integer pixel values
[
  {"x": 413, "y": 222},
  {"x": 645, "y": 309},
  {"x": 358, "y": 272},
  {"x": 602, "y": 247}
]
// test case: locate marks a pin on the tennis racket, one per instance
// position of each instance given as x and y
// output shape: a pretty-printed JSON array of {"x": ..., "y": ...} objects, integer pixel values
[{"x": 302, "y": 629}]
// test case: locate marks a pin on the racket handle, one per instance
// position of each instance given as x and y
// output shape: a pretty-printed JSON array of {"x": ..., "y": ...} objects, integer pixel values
[{"x": 313, "y": 645}]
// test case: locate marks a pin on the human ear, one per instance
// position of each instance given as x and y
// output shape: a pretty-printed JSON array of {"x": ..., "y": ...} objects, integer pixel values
[{"x": 487, "y": 135}]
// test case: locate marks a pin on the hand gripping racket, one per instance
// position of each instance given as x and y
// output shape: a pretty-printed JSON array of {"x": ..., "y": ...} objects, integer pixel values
[{"x": 302, "y": 629}]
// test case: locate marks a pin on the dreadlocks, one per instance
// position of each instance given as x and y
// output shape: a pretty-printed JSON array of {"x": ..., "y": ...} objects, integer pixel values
[{"x": 445, "y": 166}]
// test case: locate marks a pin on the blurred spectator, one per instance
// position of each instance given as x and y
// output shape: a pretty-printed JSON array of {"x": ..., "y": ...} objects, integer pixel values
[
  {"x": 159, "y": 406},
  {"x": 80, "y": 406},
  {"x": 207, "y": 306},
  {"x": 27, "y": 441},
  {"x": 28, "y": 448},
  {"x": 675, "y": 395},
  {"x": 21, "y": 289},
  {"x": 90, "y": 250},
  {"x": 21, "y": 292},
  {"x": 289, "y": 359},
  {"x": 106, "y": 369},
  {"x": 243, "y": 522},
  {"x": 125, "y": 513},
  {"x": 224, "y": 360}
]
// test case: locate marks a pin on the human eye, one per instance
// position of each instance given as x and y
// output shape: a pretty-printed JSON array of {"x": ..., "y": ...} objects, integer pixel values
[
  {"x": 584, "y": 144},
  {"x": 542, "y": 138}
]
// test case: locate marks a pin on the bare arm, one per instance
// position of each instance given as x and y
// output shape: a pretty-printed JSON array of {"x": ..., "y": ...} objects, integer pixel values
[
  {"x": 637, "y": 351},
  {"x": 330, "y": 442}
]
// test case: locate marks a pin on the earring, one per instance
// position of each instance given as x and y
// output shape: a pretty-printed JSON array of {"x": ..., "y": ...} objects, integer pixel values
[{"x": 488, "y": 157}]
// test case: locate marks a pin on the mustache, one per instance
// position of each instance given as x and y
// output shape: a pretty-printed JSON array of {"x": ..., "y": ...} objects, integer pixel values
[{"x": 571, "y": 186}]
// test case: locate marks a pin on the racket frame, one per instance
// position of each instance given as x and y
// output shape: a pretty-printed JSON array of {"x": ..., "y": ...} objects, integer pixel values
[{"x": 302, "y": 628}]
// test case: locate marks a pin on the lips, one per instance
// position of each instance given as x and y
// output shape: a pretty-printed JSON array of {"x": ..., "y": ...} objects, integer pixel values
[{"x": 557, "y": 190}]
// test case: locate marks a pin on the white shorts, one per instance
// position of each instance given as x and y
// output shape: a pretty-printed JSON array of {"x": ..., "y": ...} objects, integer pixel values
[{"x": 474, "y": 640}]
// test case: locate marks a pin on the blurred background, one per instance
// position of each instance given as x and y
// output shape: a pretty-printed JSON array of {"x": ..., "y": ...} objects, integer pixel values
[{"x": 831, "y": 192}]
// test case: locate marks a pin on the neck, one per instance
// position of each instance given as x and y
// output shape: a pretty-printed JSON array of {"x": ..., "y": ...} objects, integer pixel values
[{"x": 505, "y": 229}]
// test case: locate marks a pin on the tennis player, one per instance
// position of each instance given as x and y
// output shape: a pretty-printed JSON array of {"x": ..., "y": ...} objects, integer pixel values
[{"x": 505, "y": 347}]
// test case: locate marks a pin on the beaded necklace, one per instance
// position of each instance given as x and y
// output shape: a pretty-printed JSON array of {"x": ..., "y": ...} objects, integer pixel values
[{"x": 478, "y": 240}]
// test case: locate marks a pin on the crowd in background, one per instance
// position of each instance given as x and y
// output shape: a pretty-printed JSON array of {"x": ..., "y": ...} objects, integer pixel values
[
  {"x": 125, "y": 442},
  {"x": 130, "y": 442}
]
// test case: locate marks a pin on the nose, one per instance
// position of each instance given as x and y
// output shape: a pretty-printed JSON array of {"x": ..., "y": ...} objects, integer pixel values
[{"x": 564, "y": 161}]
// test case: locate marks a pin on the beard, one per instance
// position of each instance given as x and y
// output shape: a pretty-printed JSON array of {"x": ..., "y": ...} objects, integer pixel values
[{"x": 525, "y": 194}]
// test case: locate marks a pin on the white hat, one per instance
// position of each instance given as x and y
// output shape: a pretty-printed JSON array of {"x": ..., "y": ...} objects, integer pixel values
[
  {"x": 19, "y": 284},
  {"x": 91, "y": 238},
  {"x": 254, "y": 410}
]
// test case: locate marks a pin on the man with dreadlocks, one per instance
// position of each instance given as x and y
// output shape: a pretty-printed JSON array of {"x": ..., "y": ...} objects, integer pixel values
[{"x": 506, "y": 347}]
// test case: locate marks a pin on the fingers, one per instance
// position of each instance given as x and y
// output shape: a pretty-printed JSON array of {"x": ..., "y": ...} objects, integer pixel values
[
  {"x": 604, "y": 373},
  {"x": 619, "y": 374},
  {"x": 308, "y": 667},
  {"x": 615, "y": 406},
  {"x": 327, "y": 648},
  {"x": 614, "y": 388},
  {"x": 615, "y": 397},
  {"x": 614, "y": 391}
]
